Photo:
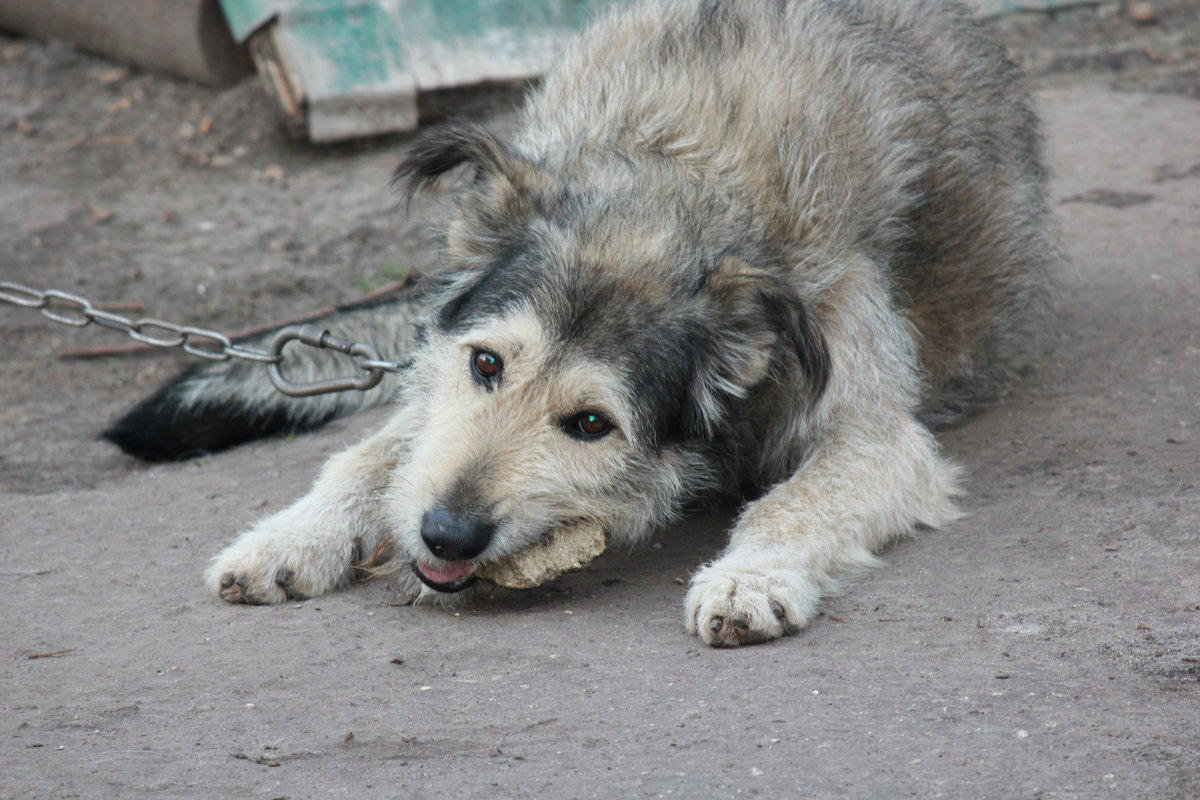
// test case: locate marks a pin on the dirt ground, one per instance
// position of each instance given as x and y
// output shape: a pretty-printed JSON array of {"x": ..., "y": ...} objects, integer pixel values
[{"x": 1046, "y": 646}]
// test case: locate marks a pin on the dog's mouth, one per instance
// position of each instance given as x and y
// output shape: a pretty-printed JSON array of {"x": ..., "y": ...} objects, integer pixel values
[{"x": 453, "y": 576}]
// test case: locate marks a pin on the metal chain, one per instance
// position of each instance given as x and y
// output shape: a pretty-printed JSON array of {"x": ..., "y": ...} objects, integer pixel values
[{"x": 78, "y": 312}]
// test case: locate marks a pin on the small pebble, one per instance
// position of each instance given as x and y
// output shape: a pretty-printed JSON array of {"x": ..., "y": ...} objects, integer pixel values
[
  {"x": 113, "y": 76},
  {"x": 1141, "y": 12}
]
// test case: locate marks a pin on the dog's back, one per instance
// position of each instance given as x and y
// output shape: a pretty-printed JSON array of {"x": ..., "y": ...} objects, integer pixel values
[
  {"x": 898, "y": 127},
  {"x": 894, "y": 128}
]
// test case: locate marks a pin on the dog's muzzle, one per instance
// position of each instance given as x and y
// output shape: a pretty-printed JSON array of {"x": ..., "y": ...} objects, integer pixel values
[{"x": 454, "y": 539}]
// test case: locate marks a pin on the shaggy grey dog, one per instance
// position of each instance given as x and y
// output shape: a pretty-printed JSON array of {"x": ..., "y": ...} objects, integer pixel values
[{"x": 749, "y": 247}]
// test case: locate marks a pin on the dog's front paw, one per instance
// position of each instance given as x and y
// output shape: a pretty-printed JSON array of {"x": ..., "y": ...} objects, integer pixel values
[
  {"x": 731, "y": 604},
  {"x": 264, "y": 567}
]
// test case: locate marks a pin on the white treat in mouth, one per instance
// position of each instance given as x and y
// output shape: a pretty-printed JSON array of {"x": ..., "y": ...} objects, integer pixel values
[{"x": 568, "y": 548}]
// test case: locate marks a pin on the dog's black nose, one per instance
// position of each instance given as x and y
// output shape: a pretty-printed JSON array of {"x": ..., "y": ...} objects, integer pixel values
[{"x": 454, "y": 537}]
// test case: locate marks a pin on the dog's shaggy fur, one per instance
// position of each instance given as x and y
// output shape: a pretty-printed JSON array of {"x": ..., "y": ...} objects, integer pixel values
[{"x": 748, "y": 247}]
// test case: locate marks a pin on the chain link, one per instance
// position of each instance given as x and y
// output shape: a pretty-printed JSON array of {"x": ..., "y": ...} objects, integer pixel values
[{"x": 78, "y": 312}]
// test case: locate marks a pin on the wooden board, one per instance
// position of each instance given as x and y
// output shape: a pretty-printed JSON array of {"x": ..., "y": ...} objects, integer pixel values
[{"x": 347, "y": 68}]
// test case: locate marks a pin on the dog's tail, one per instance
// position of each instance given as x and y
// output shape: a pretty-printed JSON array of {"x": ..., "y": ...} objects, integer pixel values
[{"x": 216, "y": 405}]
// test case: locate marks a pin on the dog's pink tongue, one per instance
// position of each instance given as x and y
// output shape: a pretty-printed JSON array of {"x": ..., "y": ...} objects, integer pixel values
[{"x": 451, "y": 572}]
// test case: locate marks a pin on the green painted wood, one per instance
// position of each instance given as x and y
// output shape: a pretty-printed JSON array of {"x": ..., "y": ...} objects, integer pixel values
[
  {"x": 246, "y": 16},
  {"x": 351, "y": 46},
  {"x": 358, "y": 65},
  {"x": 451, "y": 18}
]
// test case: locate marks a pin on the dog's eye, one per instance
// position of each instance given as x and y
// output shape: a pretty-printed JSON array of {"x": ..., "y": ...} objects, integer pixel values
[
  {"x": 486, "y": 365},
  {"x": 588, "y": 425}
]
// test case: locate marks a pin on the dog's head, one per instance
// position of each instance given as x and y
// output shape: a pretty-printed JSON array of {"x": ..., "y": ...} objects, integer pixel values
[{"x": 601, "y": 341}]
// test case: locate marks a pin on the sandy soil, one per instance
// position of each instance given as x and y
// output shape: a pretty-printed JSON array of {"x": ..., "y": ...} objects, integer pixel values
[{"x": 1046, "y": 646}]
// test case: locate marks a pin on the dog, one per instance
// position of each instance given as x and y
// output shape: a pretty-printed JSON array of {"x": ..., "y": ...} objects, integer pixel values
[{"x": 735, "y": 248}]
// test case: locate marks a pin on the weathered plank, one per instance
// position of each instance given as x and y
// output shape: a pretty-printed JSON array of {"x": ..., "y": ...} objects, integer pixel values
[{"x": 345, "y": 68}]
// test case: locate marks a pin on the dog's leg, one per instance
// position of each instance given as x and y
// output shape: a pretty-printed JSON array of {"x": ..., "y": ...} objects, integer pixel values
[
  {"x": 867, "y": 483},
  {"x": 872, "y": 473},
  {"x": 310, "y": 547}
]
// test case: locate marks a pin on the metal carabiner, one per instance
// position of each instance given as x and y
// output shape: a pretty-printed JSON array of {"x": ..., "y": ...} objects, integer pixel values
[{"x": 316, "y": 336}]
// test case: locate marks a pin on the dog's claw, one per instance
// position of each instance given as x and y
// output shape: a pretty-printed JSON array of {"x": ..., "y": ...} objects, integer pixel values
[
  {"x": 284, "y": 578},
  {"x": 232, "y": 589},
  {"x": 732, "y": 632},
  {"x": 235, "y": 588},
  {"x": 732, "y": 606},
  {"x": 267, "y": 566}
]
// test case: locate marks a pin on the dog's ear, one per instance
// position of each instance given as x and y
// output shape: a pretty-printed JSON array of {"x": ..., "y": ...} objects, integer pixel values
[
  {"x": 770, "y": 326},
  {"x": 439, "y": 150},
  {"x": 504, "y": 190}
]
